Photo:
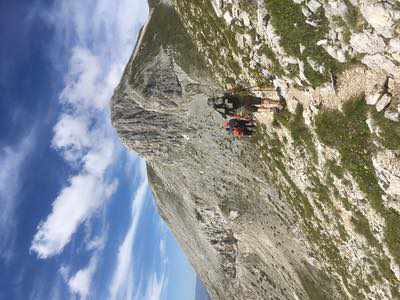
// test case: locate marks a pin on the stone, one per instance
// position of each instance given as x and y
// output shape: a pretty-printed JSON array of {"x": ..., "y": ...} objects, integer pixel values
[
  {"x": 380, "y": 18},
  {"x": 338, "y": 54},
  {"x": 306, "y": 12},
  {"x": 383, "y": 102},
  {"x": 246, "y": 19},
  {"x": 372, "y": 99},
  {"x": 233, "y": 215},
  {"x": 379, "y": 61},
  {"x": 313, "y": 5},
  {"x": 392, "y": 115},
  {"x": 316, "y": 67},
  {"x": 228, "y": 17},
  {"x": 302, "y": 48},
  {"x": 387, "y": 165},
  {"x": 336, "y": 8},
  {"x": 394, "y": 45},
  {"x": 366, "y": 42},
  {"x": 217, "y": 5}
]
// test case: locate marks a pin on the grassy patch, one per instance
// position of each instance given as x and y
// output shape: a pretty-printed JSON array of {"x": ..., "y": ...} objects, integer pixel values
[
  {"x": 275, "y": 67},
  {"x": 392, "y": 233},
  {"x": 389, "y": 134},
  {"x": 354, "y": 17},
  {"x": 335, "y": 168},
  {"x": 299, "y": 131},
  {"x": 361, "y": 226},
  {"x": 349, "y": 134},
  {"x": 290, "y": 24},
  {"x": 166, "y": 30}
]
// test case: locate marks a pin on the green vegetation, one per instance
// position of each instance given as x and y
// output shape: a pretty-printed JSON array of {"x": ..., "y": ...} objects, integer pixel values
[
  {"x": 212, "y": 34},
  {"x": 166, "y": 30},
  {"x": 299, "y": 131},
  {"x": 389, "y": 134},
  {"x": 392, "y": 233},
  {"x": 349, "y": 134},
  {"x": 276, "y": 67},
  {"x": 335, "y": 169},
  {"x": 354, "y": 17},
  {"x": 361, "y": 226},
  {"x": 290, "y": 23}
]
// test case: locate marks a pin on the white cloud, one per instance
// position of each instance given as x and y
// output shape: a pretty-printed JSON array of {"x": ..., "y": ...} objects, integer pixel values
[
  {"x": 122, "y": 283},
  {"x": 100, "y": 35},
  {"x": 74, "y": 205},
  {"x": 71, "y": 134},
  {"x": 84, "y": 82},
  {"x": 11, "y": 161},
  {"x": 80, "y": 283}
]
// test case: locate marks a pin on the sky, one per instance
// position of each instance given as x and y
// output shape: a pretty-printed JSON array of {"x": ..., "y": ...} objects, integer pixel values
[{"x": 77, "y": 217}]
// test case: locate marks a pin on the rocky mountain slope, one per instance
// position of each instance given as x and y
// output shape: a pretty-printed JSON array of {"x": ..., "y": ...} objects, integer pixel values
[{"x": 309, "y": 208}]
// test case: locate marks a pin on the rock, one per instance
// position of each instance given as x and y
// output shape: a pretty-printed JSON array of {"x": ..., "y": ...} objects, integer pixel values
[
  {"x": 306, "y": 12},
  {"x": 302, "y": 48},
  {"x": 233, "y": 215},
  {"x": 316, "y": 67},
  {"x": 383, "y": 102},
  {"x": 338, "y": 54},
  {"x": 217, "y": 5},
  {"x": 380, "y": 18},
  {"x": 387, "y": 167},
  {"x": 228, "y": 17},
  {"x": 379, "y": 61},
  {"x": 246, "y": 19},
  {"x": 313, "y": 5},
  {"x": 392, "y": 115},
  {"x": 311, "y": 23},
  {"x": 373, "y": 99},
  {"x": 336, "y": 8},
  {"x": 366, "y": 42},
  {"x": 394, "y": 45}
]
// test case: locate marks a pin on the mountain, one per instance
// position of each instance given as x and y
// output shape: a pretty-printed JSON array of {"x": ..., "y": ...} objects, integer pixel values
[{"x": 309, "y": 207}]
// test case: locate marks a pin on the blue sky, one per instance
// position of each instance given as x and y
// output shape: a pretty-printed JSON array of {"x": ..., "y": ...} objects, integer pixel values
[{"x": 77, "y": 218}]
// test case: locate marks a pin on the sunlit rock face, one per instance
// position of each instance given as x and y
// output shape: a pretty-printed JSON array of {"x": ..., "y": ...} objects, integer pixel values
[{"x": 306, "y": 209}]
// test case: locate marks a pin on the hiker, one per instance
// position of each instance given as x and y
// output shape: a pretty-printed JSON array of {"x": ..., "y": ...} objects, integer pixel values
[
  {"x": 230, "y": 104},
  {"x": 243, "y": 106},
  {"x": 239, "y": 127}
]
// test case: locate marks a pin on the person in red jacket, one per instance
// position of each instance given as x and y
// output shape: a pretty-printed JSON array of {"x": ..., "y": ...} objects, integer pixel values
[{"x": 239, "y": 127}]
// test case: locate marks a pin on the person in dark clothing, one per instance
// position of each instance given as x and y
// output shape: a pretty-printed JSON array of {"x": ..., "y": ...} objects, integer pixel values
[
  {"x": 239, "y": 127},
  {"x": 230, "y": 104}
]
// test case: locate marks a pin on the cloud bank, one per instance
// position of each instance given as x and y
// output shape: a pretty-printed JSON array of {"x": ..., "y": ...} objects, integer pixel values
[{"x": 99, "y": 36}]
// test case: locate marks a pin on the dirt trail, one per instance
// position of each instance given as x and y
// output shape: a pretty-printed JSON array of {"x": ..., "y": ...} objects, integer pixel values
[{"x": 355, "y": 81}]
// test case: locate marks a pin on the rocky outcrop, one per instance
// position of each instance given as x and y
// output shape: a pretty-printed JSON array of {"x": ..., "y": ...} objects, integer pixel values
[{"x": 307, "y": 209}]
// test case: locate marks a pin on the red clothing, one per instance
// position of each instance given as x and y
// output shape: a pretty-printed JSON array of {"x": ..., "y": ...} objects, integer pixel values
[{"x": 238, "y": 132}]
